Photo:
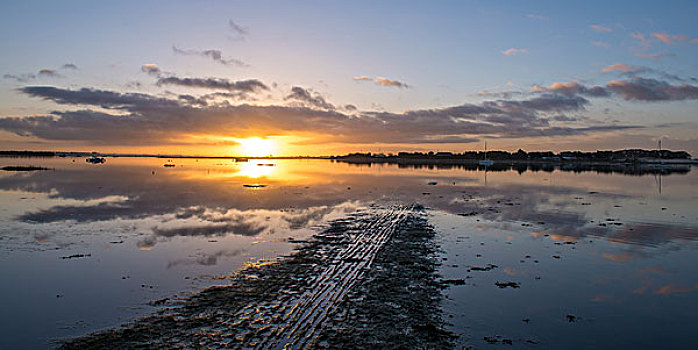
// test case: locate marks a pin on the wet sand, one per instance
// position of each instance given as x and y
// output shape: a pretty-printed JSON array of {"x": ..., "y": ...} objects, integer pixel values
[{"x": 368, "y": 281}]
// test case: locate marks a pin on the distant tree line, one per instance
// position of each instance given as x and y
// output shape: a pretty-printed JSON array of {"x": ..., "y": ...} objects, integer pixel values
[
  {"x": 627, "y": 155},
  {"x": 27, "y": 154}
]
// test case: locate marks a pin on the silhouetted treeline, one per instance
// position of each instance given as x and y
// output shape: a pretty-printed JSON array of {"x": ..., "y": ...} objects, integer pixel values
[
  {"x": 607, "y": 168},
  {"x": 27, "y": 154},
  {"x": 628, "y": 155}
]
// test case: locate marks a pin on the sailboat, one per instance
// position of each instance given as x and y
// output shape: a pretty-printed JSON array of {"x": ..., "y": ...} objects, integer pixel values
[
  {"x": 661, "y": 164},
  {"x": 486, "y": 162}
]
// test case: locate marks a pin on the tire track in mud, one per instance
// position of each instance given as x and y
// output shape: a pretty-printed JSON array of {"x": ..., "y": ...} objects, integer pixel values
[
  {"x": 301, "y": 325},
  {"x": 315, "y": 298}
]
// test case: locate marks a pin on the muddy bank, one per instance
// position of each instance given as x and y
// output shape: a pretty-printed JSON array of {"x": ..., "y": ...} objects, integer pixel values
[{"x": 367, "y": 281}]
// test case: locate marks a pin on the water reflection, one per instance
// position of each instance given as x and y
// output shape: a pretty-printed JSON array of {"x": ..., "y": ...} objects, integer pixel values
[
  {"x": 144, "y": 224},
  {"x": 257, "y": 168},
  {"x": 211, "y": 200},
  {"x": 602, "y": 168}
]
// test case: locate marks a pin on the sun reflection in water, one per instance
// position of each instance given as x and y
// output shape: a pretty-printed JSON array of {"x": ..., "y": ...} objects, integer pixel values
[{"x": 257, "y": 168}]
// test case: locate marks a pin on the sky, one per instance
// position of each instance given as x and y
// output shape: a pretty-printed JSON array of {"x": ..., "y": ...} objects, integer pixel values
[{"x": 330, "y": 77}]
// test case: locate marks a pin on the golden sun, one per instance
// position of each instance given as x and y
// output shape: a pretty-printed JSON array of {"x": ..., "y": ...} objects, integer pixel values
[{"x": 256, "y": 147}]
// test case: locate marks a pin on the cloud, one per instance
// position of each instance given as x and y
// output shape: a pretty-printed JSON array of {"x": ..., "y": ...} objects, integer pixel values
[
  {"x": 382, "y": 81},
  {"x": 637, "y": 88},
  {"x": 642, "y": 40},
  {"x": 148, "y": 119},
  {"x": 151, "y": 69},
  {"x": 654, "y": 56},
  {"x": 674, "y": 288},
  {"x": 499, "y": 94},
  {"x": 43, "y": 73},
  {"x": 22, "y": 78},
  {"x": 564, "y": 118},
  {"x": 239, "y": 95},
  {"x": 671, "y": 39},
  {"x": 624, "y": 68},
  {"x": 48, "y": 72},
  {"x": 250, "y": 85},
  {"x": 236, "y": 28},
  {"x": 388, "y": 82},
  {"x": 572, "y": 88},
  {"x": 215, "y": 55},
  {"x": 599, "y": 28},
  {"x": 313, "y": 99},
  {"x": 102, "y": 98},
  {"x": 652, "y": 90},
  {"x": 514, "y": 52}
]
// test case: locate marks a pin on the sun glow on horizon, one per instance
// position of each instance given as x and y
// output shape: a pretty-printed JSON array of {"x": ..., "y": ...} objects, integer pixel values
[{"x": 256, "y": 147}]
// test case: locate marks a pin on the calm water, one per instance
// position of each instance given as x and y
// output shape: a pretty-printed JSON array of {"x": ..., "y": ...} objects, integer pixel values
[{"x": 601, "y": 259}]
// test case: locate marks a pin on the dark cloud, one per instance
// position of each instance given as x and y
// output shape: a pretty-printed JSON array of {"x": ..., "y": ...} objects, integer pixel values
[
  {"x": 388, "y": 82},
  {"x": 228, "y": 95},
  {"x": 151, "y": 69},
  {"x": 573, "y": 88},
  {"x": 193, "y": 100},
  {"x": 236, "y": 28},
  {"x": 148, "y": 119},
  {"x": 134, "y": 85},
  {"x": 43, "y": 73},
  {"x": 564, "y": 118},
  {"x": 94, "y": 97},
  {"x": 637, "y": 88},
  {"x": 544, "y": 103},
  {"x": 22, "y": 78},
  {"x": 250, "y": 85},
  {"x": 313, "y": 99},
  {"x": 48, "y": 72},
  {"x": 652, "y": 90},
  {"x": 500, "y": 94},
  {"x": 633, "y": 71},
  {"x": 215, "y": 55}
]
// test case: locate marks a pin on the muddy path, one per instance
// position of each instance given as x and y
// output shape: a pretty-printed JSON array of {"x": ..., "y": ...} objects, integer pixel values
[{"x": 367, "y": 281}]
